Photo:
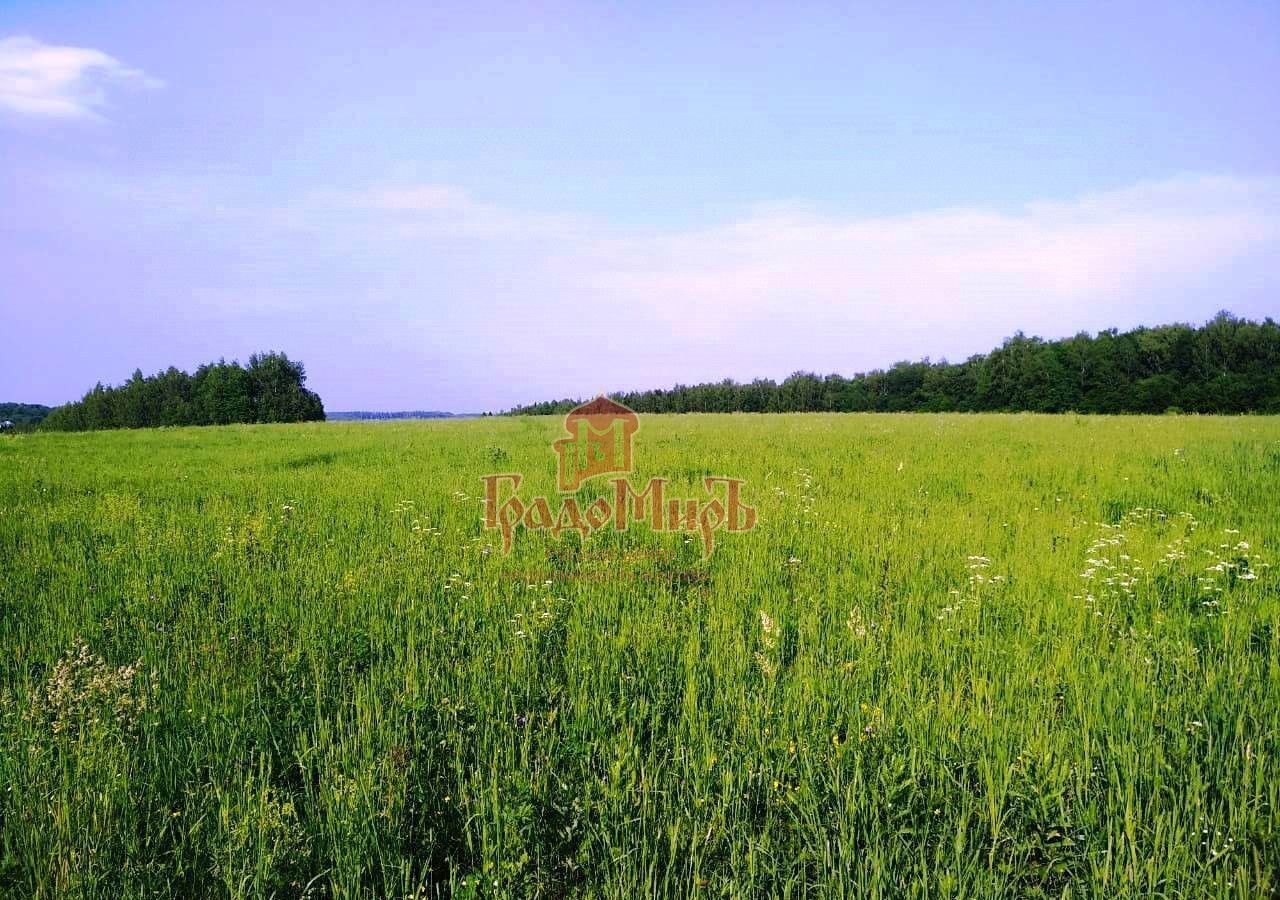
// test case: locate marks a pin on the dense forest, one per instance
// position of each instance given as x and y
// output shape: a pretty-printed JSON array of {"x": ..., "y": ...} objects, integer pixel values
[
  {"x": 21, "y": 414},
  {"x": 270, "y": 389},
  {"x": 1228, "y": 365}
]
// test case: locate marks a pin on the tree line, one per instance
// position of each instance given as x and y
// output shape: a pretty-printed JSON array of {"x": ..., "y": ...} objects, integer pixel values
[
  {"x": 271, "y": 388},
  {"x": 23, "y": 414},
  {"x": 1227, "y": 365}
]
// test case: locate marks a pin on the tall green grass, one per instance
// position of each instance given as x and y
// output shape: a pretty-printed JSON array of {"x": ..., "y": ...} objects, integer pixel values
[{"x": 961, "y": 656}]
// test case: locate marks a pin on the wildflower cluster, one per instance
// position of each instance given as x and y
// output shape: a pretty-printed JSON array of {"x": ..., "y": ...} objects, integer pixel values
[
  {"x": 807, "y": 498},
  {"x": 459, "y": 585},
  {"x": 873, "y": 719},
  {"x": 541, "y": 613},
  {"x": 977, "y": 566},
  {"x": 84, "y": 693},
  {"x": 254, "y": 531},
  {"x": 1115, "y": 573},
  {"x": 979, "y": 578},
  {"x": 857, "y": 625},
  {"x": 417, "y": 524},
  {"x": 767, "y": 657}
]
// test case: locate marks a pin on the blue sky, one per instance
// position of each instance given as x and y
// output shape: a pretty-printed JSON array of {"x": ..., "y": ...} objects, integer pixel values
[{"x": 465, "y": 207}]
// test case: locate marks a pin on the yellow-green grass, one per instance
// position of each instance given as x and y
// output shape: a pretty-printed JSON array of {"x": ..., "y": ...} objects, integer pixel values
[{"x": 978, "y": 656}]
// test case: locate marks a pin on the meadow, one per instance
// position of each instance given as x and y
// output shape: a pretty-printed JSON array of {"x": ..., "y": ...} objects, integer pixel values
[{"x": 959, "y": 656}]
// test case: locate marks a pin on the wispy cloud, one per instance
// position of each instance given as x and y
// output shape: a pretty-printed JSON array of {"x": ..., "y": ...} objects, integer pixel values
[
  {"x": 1101, "y": 246},
  {"x": 425, "y": 211},
  {"x": 418, "y": 198},
  {"x": 793, "y": 286},
  {"x": 49, "y": 81},
  {"x": 947, "y": 265},
  {"x": 476, "y": 289}
]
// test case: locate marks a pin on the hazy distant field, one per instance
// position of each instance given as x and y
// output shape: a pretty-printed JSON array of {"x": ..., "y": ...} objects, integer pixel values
[{"x": 980, "y": 656}]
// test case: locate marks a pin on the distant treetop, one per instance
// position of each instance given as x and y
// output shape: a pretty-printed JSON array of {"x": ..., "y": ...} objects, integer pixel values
[
  {"x": 270, "y": 389},
  {"x": 23, "y": 413}
]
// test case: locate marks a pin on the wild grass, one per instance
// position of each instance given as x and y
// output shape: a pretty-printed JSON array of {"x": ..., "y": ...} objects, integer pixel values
[{"x": 961, "y": 656}]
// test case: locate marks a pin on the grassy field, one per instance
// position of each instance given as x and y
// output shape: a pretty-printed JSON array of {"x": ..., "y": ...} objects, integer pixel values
[{"x": 961, "y": 656}]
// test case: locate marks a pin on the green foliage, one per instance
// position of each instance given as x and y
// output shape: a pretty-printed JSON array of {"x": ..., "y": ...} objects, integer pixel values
[
  {"x": 961, "y": 656},
  {"x": 271, "y": 389},
  {"x": 1229, "y": 365},
  {"x": 21, "y": 414}
]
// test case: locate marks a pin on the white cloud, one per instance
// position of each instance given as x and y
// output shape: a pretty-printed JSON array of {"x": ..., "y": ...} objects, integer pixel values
[
  {"x": 433, "y": 276},
  {"x": 761, "y": 294},
  {"x": 792, "y": 286},
  {"x": 419, "y": 198},
  {"x": 427, "y": 211},
  {"x": 44, "y": 80},
  {"x": 816, "y": 277}
]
